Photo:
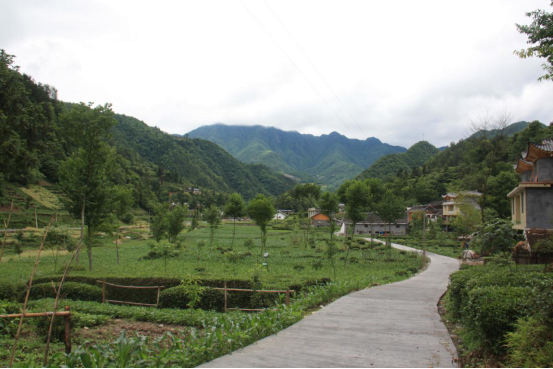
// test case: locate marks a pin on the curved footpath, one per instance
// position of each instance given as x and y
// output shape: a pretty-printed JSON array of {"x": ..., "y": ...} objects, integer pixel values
[{"x": 394, "y": 325}]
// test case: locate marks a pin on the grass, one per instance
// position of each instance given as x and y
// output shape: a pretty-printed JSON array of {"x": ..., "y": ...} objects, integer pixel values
[{"x": 289, "y": 260}]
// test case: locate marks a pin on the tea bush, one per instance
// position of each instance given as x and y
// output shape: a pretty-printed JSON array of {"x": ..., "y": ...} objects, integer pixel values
[
  {"x": 491, "y": 312},
  {"x": 71, "y": 290}
]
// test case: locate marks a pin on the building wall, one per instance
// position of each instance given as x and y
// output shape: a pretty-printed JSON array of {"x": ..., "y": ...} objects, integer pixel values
[
  {"x": 540, "y": 203},
  {"x": 544, "y": 169},
  {"x": 526, "y": 176},
  {"x": 397, "y": 230}
]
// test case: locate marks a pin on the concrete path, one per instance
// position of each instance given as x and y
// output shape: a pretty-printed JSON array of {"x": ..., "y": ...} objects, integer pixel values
[{"x": 395, "y": 325}]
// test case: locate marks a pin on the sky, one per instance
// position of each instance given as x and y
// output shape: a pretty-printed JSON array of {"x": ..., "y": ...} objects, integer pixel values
[{"x": 400, "y": 71}]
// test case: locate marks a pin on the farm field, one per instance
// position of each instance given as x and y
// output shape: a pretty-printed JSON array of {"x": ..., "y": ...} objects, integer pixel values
[{"x": 194, "y": 263}]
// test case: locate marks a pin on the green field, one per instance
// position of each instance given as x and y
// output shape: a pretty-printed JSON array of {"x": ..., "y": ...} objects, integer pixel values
[{"x": 291, "y": 262}]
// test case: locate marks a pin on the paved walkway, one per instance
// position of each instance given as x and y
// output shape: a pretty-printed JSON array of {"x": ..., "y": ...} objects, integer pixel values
[{"x": 395, "y": 325}]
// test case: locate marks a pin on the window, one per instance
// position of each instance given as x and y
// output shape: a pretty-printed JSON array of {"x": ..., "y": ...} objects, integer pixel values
[{"x": 397, "y": 225}]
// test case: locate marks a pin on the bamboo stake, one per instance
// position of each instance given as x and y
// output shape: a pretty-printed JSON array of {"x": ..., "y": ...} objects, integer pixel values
[
  {"x": 56, "y": 302},
  {"x": 24, "y": 310},
  {"x": 6, "y": 231},
  {"x": 225, "y": 296}
]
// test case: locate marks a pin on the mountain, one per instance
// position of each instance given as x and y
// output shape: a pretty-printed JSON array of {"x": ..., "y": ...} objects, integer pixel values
[
  {"x": 197, "y": 162},
  {"x": 390, "y": 165},
  {"x": 509, "y": 131},
  {"x": 327, "y": 159}
]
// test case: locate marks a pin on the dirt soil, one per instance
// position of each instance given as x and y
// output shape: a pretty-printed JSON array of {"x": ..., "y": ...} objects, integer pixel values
[{"x": 113, "y": 328}]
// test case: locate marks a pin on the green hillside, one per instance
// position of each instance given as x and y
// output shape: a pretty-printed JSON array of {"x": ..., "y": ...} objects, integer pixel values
[
  {"x": 39, "y": 136},
  {"x": 392, "y": 164},
  {"x": 327, "y": 159}
]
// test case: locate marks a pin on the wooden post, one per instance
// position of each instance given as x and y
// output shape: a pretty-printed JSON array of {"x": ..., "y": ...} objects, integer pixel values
[
  {"x": 225, "y": 296},
  {"x": 103, "y": 292},
  {"x": 36, "y": 220},
  {"x": 287, "y": 297},
  {"x": 158, "y": 291},
  {"x": 67, "y": 330}
]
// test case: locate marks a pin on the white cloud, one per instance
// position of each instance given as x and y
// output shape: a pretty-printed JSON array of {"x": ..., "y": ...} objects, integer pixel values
[{"x": 400, "y": 68}]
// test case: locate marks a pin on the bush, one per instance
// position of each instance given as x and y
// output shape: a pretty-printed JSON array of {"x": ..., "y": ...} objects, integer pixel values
[
  {"x": 70, "y": 290},
  {"x": 58, "y": 330},
  {"x": 492, "y": 311},
  {"x": 10, "y": 291},
  {"x": 530, "y": 345}
]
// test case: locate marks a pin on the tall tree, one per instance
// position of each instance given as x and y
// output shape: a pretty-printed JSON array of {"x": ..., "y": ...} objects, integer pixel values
[
  {"x": 540, "y": 37},
  {"x": 213, "y": 217},
  {"x": 389, "y": 209},
  {"x": 175, "y": 222},
  {"x": 329, "y": 206},
  {"x": 234, "y": 208},
  {"x": 358, "y": 198},
  {"x": 261, "y": 210},
  {"x": 83, "y": 175}
]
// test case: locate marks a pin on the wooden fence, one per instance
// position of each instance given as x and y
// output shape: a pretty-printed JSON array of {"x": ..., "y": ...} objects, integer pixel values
[
  {"x": 67, "y": 317},
  {"x": 104, "y": 284},
  {"x": 287, "y": 292}
]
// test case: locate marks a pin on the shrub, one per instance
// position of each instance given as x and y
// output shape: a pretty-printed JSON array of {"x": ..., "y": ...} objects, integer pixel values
[
  {"x": 530, "y": 345},
  {"x": 10, "y": 291},
  {"x": 492, "y": 311},
  {"x": 58, "y": 330},
  {"x": 70, "y": 290}
]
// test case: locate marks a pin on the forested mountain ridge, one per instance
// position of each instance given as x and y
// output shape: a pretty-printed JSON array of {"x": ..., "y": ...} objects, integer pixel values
[
  {"x": 392, "y": 164},
  {"x": 195, "y": 161},
  {"x": 43, "y": 139},
  {"x": 329, "y": 159}
]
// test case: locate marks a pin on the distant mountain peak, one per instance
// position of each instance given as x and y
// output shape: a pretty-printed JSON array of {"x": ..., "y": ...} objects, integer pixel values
[{"x": 329, "y": 159}]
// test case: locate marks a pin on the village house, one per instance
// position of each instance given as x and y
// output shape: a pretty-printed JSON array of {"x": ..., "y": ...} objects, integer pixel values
[
  {"x": 451, "y": 206},
  {"x": 532, "y": 200},
  {"x": 279, "y": 216},
  {"x": 373, "y": 223},
  {"x": 320, "y": 220},
  {"x": 432, "y": 211}
]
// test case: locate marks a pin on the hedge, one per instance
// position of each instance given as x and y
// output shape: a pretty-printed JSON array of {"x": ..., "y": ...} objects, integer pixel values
[
  {"x": 467, "y": 279},
  {"x": 70, "y": 290},
  {"x": 491, "y": 312}
]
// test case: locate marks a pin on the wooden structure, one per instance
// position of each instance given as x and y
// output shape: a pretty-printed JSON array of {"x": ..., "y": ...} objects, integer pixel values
[
  {"x": 66, "y": 314},
  {"x": 104, "y": 300},
  {"x": 287, "y": 292}
]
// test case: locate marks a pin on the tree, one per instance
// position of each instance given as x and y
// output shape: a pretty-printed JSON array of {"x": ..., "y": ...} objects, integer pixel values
[
  {"x": 358, "y": 198},
  {"x": 540, "y": 36},
  {"x": 213, "y": 218},
  {"x": 175, "y": 222},
  {"x": 159, "y": 224},
  {"x": 469, "y": 217},
  {"x": 389, "y": 209},
  {"x": 261, "y": 210},
  {"x": 83, "y": 175},
  {"x": 234, "y": 208},
  {"x": 120, "y": 200},
  {"x": 329, "y": 206},
  {"x": 496, "y": 236}
]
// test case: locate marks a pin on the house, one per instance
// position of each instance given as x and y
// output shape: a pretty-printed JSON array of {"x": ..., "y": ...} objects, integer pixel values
[
  {"x": 286, "y": 212},
  {"x": 341, "y": 208},
  {"x": 194, "y": 191},
  {"x": 451, "y": 206},
  {"x": 312, "y": 211},
  {"x": 279, "y": 216},
  {"x": 532, "y": 200},
  {"x": 378, "y": 226},
  {"x": 320, "y": 220},
  {"x": 432, "y": 211}
]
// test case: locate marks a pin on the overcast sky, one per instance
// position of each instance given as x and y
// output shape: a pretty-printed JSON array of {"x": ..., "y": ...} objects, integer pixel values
[{"x": 394, "y": 70}]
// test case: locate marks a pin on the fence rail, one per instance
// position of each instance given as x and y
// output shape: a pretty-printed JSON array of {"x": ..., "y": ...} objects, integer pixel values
[
  {"x": 67, "y": 317},
  {"x": 287, "y": 292},
  {"x": 104, "y": 300}
]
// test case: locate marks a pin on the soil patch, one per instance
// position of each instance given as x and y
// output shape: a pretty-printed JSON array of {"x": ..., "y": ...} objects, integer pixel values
[{"x": 113, "y": 328}]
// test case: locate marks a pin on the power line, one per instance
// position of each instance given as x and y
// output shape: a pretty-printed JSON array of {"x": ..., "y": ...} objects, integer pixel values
[
  {"x": 315, "y": 68},
  {"x": 295, "y": 65}
]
